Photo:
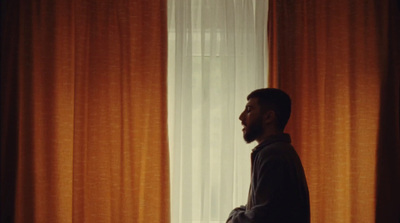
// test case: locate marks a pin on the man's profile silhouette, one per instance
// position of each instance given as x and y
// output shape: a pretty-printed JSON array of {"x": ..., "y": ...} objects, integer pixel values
[{"x": 278, "y": 190}]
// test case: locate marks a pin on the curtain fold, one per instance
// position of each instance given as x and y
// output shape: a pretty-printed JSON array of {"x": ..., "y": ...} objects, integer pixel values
[
  {"x": 388, "y": 155},
  {"x": 333, "y": 58},
  {"x": 84, "y": 111}
]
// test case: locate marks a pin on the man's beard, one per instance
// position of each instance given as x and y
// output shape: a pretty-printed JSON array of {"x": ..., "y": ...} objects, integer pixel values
[{"x": 253, "y": 131}]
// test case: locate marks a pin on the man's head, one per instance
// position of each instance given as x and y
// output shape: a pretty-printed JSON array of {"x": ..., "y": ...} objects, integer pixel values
[{"x": 267, "y": 112}]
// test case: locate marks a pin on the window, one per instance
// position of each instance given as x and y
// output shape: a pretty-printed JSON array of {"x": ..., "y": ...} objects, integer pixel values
[{"x": 217, "y": 56}]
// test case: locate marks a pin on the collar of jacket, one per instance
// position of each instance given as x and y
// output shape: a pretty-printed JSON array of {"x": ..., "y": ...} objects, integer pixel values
[{"x": 272, "y": 139}]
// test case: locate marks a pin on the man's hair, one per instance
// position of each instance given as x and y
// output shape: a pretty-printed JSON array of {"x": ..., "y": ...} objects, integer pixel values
[{"x": 276, "y": 100}]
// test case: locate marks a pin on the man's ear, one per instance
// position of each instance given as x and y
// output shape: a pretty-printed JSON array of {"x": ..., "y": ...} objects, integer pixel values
[{"x": 269, "y": 116}]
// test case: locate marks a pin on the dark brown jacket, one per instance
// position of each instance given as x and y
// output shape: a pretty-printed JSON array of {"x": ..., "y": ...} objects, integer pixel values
[{"x": 278, "y": 190}]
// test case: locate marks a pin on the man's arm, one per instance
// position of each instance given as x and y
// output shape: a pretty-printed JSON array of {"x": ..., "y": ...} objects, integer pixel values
[
  {"x": 269, "y": 196},
  {"x": 235, "y": 211}
]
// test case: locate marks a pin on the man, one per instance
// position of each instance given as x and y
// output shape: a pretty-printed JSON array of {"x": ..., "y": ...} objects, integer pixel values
[{"x": 278, "y": 189}]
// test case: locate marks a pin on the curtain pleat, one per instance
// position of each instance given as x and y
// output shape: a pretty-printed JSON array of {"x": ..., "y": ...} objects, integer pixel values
[
  {"x": 333, "y": 59},
  {"x": 388, "y": 155},
  {"x": 8, "y": 114},
  {"x": 84, "y": 111}
]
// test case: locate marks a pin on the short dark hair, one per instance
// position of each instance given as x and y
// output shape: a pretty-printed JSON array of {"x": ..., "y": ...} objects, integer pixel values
[{"x": 276, "y": 100}]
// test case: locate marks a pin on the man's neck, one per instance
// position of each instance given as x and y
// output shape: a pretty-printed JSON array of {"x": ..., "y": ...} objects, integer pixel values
[{"x": 267, "y": 134}]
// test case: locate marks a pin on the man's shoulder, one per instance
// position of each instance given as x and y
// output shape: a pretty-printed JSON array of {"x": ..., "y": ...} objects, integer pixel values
[
  {"x": 277, "y": 151},
  {"x": 280, "y": 147}
]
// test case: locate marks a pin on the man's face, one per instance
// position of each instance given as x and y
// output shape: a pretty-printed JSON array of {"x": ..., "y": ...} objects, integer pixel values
[{"x": 251, "y": 119}]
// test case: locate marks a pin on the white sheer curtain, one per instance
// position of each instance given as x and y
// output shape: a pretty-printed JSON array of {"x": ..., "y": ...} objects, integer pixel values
[{"x": 217, "y": 56}]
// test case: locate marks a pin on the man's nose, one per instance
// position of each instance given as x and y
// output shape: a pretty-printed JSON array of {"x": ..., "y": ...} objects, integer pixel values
[{"x": 241, "y": 116}]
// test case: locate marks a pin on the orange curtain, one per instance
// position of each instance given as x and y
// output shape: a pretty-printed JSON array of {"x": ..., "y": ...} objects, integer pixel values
[
  {"x": 84, "y": 111},
  {"x": 339, "y": 62}
]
